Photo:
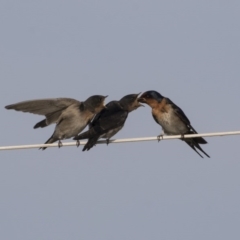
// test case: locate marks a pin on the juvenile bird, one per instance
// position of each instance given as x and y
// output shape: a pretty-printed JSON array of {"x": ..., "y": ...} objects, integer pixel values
[
  {"x": 70, "y": 115},
  {"x": 110, "y": 120},
  {"x": 172, "y": 119}
]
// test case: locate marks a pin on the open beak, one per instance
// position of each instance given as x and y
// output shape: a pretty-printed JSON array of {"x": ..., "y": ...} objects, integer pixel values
[
  {"x": 140, "y": 105},
  {"x": 142, "y": 100},
  {"x": 104, "y": 105}
]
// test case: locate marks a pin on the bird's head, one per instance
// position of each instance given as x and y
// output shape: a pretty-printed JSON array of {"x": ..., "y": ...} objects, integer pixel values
[
  {"x": 130, "y": 102},
  {"x": 151, "y": 98},
  {"x": 95, "y": 103}
]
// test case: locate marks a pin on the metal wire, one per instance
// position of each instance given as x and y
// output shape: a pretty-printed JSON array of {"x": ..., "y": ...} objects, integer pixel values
[{"x": 124, "y": 140}]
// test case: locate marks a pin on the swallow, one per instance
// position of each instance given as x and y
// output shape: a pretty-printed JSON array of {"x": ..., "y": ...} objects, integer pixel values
[
  {"x": 110, "y": 120},
  {"x": 71, "y": 116},
  {"x": 172, "y": 119}
]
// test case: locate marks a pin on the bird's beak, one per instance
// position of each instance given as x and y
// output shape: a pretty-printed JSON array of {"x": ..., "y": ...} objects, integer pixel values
[
  {"x": 142, "y": 100},
  {"x": 140, "y": 105},
  {"x": 104, "y": 106}
]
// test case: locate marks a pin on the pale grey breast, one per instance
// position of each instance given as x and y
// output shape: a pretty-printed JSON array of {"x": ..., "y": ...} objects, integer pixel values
[{"x": 171, "y": 123}]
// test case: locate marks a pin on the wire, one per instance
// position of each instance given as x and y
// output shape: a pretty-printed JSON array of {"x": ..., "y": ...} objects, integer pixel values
[{"x": 124, "y": 140}]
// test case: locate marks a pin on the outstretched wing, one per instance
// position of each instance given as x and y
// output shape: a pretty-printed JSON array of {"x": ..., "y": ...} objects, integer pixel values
[{"x": 51, "y": 108}]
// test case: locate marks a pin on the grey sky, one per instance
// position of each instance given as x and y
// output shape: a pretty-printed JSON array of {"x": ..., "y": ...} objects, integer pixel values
[{"x": 187, "y": 50}]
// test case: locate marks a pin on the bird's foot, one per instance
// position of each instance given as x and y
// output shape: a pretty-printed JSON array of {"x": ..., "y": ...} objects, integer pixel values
[
  {"x": 107, "y": 141},
  {"x": 182, "y": 136},
  {"x": 59, "y": 144},
  {"x": 77, "y": 143},
  {"x": 160, "y": 137}
]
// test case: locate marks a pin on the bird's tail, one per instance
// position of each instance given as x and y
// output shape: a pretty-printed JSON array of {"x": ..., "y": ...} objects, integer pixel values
[
  {"x": 50, "y": 140},
  {"x": 41, "y": 124},
  {"x": 91, "y": 142},
  {"x": 193, "y": 143},
  {"x": 199, "y": 140},
  {"x": 88, "y": 134}
]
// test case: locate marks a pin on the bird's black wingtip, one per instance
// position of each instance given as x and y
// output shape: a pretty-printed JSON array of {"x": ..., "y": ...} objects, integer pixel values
[
  {"x": 8, "y": 106},
  {"x": 41, "y": 124},
  {"x": 201, "y": 140}
]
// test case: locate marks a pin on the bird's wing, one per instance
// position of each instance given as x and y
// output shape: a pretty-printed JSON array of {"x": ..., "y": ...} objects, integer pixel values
[
  {"x": 102, "y": 113},
  {"x": 113, "y": 117},
  {"x": 110, "y": 118},
  {"x": 51, "y": 108},
  {"x": 179, "y": 112}
]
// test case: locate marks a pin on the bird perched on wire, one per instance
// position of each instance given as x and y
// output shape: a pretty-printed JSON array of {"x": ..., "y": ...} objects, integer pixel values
[
  {"x": 172, "y": 119},
  {"x": 70, "y": 115},
  {"x": 110, "y": 120}
]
